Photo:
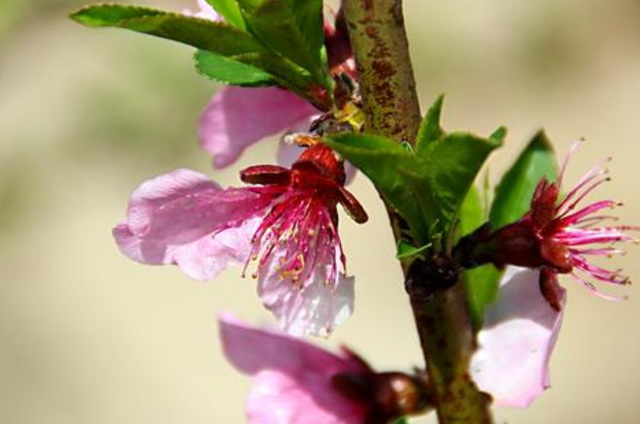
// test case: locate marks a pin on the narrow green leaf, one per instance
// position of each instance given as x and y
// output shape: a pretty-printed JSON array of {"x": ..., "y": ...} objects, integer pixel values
[
  {"x": 430, "y": 128},
  {"x": 481, "y": 284},
  {"x": 402, "y": 420},
  {"x": 293, "y": 28},
  {"x": 218, "y": 37},
  {"x": 229, "y": 10},
  {"x": 102, "y": 15},
  {"x": 229, "y": 71},
  {"x": 406, "y": 250},
  {"x": 513, "y": 194}
]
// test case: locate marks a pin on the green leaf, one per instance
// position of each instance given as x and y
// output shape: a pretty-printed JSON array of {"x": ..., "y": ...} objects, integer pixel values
[
  {"x": 406, "y": 250},
  {"x": 402, "y": 420},
  {"x": 219, "y": 38},
  {"x": 229, "y": 71},
  {"x": 426, "y": 191},
  {"x": 216, "y": 37},
  {"x": 452, "y": 164},
  {"x": 499, "y": 134},
  {"x": 229, "y": 10},
  {"x": 472, "y": 214},
  {"x": 101, "y": 15},
  {"x": 481, "y": 284},
  {"x": 430, "y": 129},
  {"x": 380, "y": 159},
  {"x": 426, "y": 187},
  {"x": 293, "y": 28},
  {"x": 513, "y": 194}
]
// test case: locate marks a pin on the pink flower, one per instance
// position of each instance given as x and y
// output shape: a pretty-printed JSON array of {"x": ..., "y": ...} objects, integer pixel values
[
  {"x": 292, "y": 378},
  {"x": 236, "y": 117},
  {"x": 558, "y": 236},
  {"x": 287, "y": 226},
  {"x": 295, "y": 382},
  {"x": 515, "y": 344}
]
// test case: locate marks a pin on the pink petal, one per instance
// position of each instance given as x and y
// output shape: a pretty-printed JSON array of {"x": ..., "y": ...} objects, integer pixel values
[
  {"x": 160, "y": 201},
  {"x": 314, "y": 308},
  {"x": 205, "y": 258},
  {"x": 184, "y": 218},
  {"x": 277, "y": 398},
  {"x": 237, "y": 117},
  {"x": 292, "y": 378},
  {"x": 202, "y": 259},
  {"x": 516, "y": 342},
  {"x": 252, "y": 350}
]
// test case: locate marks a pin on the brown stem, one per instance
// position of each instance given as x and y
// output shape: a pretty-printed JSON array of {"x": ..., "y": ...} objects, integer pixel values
[
  {"x": 377, "y": 33},
  {"x": 376, "y": 30},
  {"x": 447, "y": 340}
]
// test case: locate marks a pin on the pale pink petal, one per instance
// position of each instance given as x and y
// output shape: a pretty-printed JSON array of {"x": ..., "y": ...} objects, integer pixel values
[
  {"x": 170, "y": 199},
  {"x": 129, "y": 244},
  {"x": 237, "y": 117},
  {"x": 205, "y": 12},
  {"x": 516, "y": 341},
  {"x": 277, "y": 398},
  {"x": 205, "y": 258},
  {"x": 184, "y": 218},
  {"x": 252, "y": 350},
  {"x": 312, "y": 308},
  {"x": 292, "y": 378},
  {"x": 201, "y": 259}
]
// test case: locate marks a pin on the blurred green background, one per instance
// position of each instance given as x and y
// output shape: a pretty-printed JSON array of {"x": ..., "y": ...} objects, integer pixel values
[{"x": 88, "y": 336}]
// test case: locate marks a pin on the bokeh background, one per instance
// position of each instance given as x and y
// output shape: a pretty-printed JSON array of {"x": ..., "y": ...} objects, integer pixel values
[{"x": 88, "y": 336}]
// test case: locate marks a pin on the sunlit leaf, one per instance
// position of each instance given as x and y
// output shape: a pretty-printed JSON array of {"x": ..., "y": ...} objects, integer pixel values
[
  {"x": 229, "y": 10},
  {"x": 380, "y": 159},
  {"x": 293, "y": 28},
  {"x": 514, "y": 192},
  {"x": 218, "y": 37},
  {"x": 452, "y": 164},
  {"x": 230, "y": 71},
  {"x": 229, "y": 47},
  {"x": 430, "y": 127},
  {"x": 405, "y": 250},
  {"x": 482, "y": 283},
  {"x": 426, "y": 188}
]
